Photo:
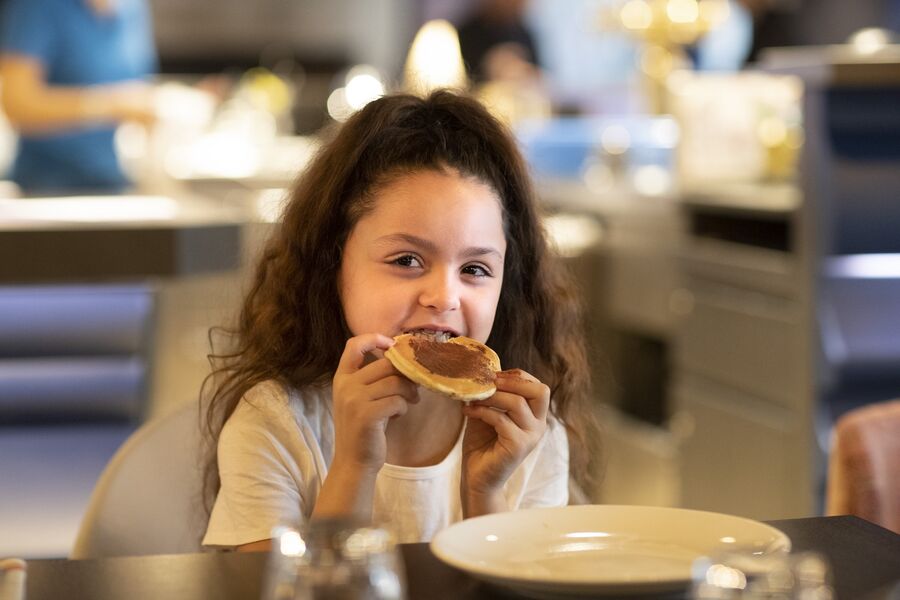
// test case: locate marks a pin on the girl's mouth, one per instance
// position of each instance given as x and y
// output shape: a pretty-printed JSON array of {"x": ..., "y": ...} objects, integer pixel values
[{"x": 432, "y": 334}]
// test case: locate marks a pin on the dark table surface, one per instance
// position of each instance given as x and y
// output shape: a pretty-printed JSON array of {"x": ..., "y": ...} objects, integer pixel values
[{"x": 865, "y": 561}]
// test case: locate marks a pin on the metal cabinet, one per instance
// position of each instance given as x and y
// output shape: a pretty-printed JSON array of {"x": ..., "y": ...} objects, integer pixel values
[
  {"x": 743, "y": 454},
  {"x": 741, "y": 378},
  {"x": 783, "y": 322}
]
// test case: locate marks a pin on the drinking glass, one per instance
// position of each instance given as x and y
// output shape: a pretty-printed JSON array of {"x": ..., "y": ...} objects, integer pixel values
[
  {"x": 12, "y": 578},
  {"x": 737, "y": 575},
  {"x": 338, "y": 559}
]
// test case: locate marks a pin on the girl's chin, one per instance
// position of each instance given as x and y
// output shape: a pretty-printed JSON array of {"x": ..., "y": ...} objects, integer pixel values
[{"x": 432, "y": 396}]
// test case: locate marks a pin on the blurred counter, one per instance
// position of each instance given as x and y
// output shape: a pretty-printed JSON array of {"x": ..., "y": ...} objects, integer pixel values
[
  {"x": 843, "y": 65},
  {"x": 105, "y": 304},
  {"x": 115, "y": 237}
]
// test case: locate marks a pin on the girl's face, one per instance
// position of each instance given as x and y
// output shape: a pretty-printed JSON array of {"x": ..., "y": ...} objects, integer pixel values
[{"x": 428, "y": 256}]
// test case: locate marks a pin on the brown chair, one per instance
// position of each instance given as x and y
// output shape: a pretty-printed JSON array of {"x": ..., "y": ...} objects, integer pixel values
[{"x": 864, "y": 467}]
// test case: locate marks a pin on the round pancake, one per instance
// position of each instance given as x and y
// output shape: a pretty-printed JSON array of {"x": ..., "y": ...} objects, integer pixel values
[{"x": 462, "y": 368}]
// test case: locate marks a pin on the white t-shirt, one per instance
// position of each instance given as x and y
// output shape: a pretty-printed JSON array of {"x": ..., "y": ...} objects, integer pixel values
[{"x": 274, "y": 454}]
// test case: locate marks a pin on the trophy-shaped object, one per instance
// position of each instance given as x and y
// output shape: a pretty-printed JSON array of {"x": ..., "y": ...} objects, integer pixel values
[{"x": 665, "y": 28}]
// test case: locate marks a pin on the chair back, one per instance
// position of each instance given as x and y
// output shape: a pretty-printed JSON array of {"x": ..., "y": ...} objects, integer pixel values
[
  {"x": 149, "y": 498},
  {"x": 864, "y": 465}
]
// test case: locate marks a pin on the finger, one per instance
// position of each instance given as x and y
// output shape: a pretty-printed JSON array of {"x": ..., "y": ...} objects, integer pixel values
[
  {"x": 377, "y": 369},
  {"x": 515, "y": 406},
  {"x": 522, "y": 384},
  {"x": 355, "y": 350},
  {"x": 385, "y": 408},
  {"x": 517, "y": 374},
  {"x": 499, "y": 420},
  {"x": 395, "y": 385}
]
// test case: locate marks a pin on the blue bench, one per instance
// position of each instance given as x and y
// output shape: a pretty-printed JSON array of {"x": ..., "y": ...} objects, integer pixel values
[{"x": 75, "y": 370}]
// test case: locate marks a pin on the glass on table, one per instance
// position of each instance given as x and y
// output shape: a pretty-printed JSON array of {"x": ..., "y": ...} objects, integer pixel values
[
  {"x": 339, "y": 559},
  {"x": 737, "y": 575},
  {"x": 12, "y": 578}
]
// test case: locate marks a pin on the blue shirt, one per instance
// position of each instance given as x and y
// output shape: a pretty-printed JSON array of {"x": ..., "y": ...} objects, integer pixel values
[{"x": 76, "y": 47}]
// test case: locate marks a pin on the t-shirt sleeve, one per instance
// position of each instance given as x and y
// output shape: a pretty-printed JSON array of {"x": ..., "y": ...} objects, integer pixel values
[
  {"x": 261, "y": 473},
  {"x": 141, "y": 36},
  {"x": 548, "y": 483},
  {"x": 27, "y": 28}
]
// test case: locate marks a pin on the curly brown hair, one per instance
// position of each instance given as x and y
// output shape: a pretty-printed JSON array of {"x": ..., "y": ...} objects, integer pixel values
[{"x": 291, "y": 328}]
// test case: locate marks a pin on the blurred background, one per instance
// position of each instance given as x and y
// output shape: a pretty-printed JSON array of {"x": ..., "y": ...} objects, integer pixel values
[{"x": 721, "y": 176}]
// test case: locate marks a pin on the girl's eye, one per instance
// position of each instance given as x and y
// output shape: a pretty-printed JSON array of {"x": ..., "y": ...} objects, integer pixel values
[
  {"x": 407, "y": 260},
  {"x": 476, "y": 270}
]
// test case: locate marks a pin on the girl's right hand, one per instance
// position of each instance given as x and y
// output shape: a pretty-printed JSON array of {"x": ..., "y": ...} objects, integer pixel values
[{"x": 365, "y": 397}]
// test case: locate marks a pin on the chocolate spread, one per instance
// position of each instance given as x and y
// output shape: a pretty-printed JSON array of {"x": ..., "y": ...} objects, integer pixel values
[{"x": 452, "y": 360}]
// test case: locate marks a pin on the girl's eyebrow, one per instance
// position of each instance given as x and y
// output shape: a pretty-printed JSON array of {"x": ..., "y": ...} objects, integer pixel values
[{"x": 430, "y": 246}]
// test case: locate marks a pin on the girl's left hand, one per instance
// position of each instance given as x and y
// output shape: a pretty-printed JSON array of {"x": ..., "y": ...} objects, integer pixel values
[{"x": 501, "y": 431}]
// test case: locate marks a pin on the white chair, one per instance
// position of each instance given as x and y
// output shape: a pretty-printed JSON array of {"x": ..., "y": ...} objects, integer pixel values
[{"x": 148, "y": 499}]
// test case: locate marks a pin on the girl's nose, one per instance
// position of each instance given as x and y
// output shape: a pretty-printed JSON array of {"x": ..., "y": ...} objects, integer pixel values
[{"x": 441, "y": 293}]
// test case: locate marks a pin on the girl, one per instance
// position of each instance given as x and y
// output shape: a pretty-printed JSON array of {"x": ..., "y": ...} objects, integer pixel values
[{"x": 417, "y": 216}]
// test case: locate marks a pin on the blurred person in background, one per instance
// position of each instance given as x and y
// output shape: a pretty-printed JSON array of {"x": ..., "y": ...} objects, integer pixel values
[
  {"x": 496, "y": 43},
  {"x": 501, "y": 60},
  {"x": 70, "y": 72}
]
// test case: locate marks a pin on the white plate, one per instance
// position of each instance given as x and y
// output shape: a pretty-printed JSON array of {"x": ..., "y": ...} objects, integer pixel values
[{"x": 596, "y": 549}]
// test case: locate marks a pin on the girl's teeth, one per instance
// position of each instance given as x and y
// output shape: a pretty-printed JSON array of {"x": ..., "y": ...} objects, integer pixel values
[{"x": 437, "y": 336}]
